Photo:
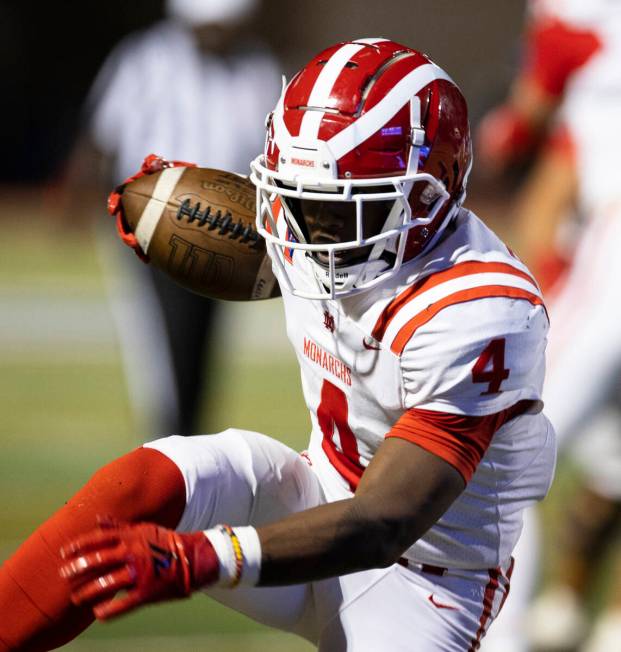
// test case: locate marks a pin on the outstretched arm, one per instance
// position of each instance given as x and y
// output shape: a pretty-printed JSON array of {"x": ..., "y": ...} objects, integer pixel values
[{"x": 403, "y": 492}]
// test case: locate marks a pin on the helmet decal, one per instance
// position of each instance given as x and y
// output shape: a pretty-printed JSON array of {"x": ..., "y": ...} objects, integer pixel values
[{"x": 371, "y": 122}]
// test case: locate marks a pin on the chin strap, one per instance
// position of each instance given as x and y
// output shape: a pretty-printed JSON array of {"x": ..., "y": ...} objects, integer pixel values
[
  {"x": 451, "y": 213},
  {"x": 151, "y": 165}
]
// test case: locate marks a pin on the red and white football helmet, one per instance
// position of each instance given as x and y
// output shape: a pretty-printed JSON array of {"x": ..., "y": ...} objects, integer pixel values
[{"x": 365, "y": 121}]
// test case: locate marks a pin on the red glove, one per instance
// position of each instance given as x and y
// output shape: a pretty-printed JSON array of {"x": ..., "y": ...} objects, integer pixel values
[
  {"x": 150, "y": 165},
  {"x": 149, "y": 563}
]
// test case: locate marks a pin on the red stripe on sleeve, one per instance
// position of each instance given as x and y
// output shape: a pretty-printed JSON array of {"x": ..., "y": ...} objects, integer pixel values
[{"x": 458, "y": 439}]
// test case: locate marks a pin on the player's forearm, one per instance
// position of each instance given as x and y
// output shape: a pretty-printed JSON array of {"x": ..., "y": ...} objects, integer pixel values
[
  {"x": 371, "y": 530},
  {"x": 334, "y": 539}
]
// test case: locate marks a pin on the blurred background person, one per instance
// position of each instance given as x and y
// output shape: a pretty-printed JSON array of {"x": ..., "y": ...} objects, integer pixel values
[
  {"x": 197, "y": 87},
  {"x": 562, "y": 112}
]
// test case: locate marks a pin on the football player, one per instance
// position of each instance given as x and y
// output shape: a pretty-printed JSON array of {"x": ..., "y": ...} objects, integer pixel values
[{"x": 421, "y": 340}]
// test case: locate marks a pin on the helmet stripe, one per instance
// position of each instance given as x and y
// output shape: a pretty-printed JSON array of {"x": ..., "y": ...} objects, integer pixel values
[
  {"x": 370, "y": 40},
  {"x": 320, "y": 94},
  {"x": 310, "y": 124},
  {"x": 281, "y": 133},
  {"x": 370, "y": 122}
]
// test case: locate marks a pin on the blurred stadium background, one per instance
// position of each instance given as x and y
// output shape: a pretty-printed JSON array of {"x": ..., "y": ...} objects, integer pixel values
[{"x": 63, "y": 397}]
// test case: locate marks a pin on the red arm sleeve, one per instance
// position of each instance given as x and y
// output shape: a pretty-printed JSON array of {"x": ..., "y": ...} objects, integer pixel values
[{"x": 458, "y": 439}]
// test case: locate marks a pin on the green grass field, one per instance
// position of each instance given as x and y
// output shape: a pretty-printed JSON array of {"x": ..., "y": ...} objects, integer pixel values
[{"x": 65, "y": 412}]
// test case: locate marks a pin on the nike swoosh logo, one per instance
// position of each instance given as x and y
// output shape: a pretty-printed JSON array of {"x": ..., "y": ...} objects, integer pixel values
[
  {"x": 369, "y": 347},
  {"x": 439, "y": 605}
]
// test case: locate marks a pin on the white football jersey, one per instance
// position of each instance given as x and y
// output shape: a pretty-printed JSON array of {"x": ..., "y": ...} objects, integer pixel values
[{"x": 461, "y": 330}]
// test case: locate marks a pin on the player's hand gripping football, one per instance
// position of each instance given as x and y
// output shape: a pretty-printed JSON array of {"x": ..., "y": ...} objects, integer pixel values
[
  {"x": 146, "y": 562},
  {"x": 197, "y": 225}
]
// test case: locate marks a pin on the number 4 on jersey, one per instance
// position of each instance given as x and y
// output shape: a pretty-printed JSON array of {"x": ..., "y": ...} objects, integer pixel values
[{"x": 490, "y": 367}]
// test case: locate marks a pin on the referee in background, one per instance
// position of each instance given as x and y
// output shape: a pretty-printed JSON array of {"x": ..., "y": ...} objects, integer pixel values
[{"x": 196, "y": 87}]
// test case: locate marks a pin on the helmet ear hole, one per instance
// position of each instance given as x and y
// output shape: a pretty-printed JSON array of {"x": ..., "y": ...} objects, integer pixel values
[
  {"x": 422, "y": 198},
  {"x": 428, "y": 195}
]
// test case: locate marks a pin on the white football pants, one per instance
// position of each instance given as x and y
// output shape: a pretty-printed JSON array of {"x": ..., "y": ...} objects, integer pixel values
[{"x": 240, "y": 478}]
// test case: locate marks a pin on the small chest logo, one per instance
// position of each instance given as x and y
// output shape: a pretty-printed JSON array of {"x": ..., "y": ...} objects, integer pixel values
[{"x": 328, "y": 321}]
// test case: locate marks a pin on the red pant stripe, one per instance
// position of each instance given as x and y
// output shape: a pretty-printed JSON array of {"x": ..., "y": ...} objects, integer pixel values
[{"x": 488, "y": 601}]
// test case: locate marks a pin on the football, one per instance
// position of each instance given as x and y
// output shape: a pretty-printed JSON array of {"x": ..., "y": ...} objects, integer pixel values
[{"x": 198, "y": 226}]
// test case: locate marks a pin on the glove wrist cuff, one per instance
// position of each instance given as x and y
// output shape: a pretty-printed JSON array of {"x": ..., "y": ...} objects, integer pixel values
[{"x": 203, "y": 566}]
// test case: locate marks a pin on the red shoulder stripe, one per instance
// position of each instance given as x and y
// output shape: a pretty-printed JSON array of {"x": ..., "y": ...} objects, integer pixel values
[
  {"x": 428, "y": 282},
  {"x": 483, "y": 292}
]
